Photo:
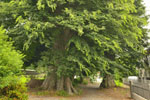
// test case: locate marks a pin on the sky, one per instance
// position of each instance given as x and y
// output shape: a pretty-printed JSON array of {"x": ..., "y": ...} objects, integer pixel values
[{"x": 147, "y": 5}]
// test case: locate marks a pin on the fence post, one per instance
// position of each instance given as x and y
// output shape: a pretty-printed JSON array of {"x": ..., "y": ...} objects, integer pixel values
[
  {"x": 149, "y": 91},
  {"x": 130, "y": 83}
]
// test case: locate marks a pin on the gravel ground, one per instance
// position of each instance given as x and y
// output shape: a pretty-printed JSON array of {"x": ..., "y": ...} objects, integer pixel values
[{"x": 91, "y": 92}]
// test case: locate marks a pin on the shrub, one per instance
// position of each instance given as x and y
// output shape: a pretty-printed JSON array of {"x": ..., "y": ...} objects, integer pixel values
[
  {"x": 12, "y": 84},
  {"x": 43, "y": 93},
  {"x": 62, "y": 93},
  {"x": 85, "y": 82},
  {"x": 14, "y": 92},
  {"x": 118, "y": 83},
  {"x": 80, "y": 92}
]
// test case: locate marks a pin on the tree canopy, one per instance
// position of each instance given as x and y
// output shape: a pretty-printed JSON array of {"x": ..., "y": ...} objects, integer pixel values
[{"x": 76, "y": 37}]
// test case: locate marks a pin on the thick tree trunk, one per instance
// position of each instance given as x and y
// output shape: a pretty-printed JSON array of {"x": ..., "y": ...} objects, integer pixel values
[
  {"x": 69, "y": 87},
  {"x": 58, "y": 84},
  {"x": 108, "y": 81},
  {"x": 50, "y": 82}
]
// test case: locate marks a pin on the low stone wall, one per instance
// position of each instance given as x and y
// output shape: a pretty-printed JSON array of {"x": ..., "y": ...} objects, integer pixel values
[
  {"x": 140, "y": 90},
  {"x": 137, "y": 97},
  {"x": 34, "y": 83}
]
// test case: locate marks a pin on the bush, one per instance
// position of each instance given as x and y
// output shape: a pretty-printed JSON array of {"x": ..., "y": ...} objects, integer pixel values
[
  {"x": 62, "y": 93},
  {"x": 80, "y": 91},
  {"x": 118, "y": 83},
  {"x": 85, "y": 82},
  {"x": 12, "y": 84},
  {"x": 14, "y": 92}
]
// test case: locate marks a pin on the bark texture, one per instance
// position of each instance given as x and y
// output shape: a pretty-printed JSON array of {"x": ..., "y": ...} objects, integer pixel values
[
  {"x": 108, "y": 81},
  {"x": 69, "y": 87},
  {"x": 58, "y": 84},
  {"x": 63, "y": 82},
  {"x": 50, "y": 82}
]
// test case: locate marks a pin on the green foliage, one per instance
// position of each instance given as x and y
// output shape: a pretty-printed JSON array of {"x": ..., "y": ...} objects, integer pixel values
[
  {"x": 42, "y": 93},
  {"x": 77, "y": 37},
  {"x": 12, "y": 83},
  {"x": 80, "y": 92},
  {"x": 79, "y": 80},
  {"x": 76, "y": 81},
  {"x": 118, "y": 83},
  {"x": 14, "y": 92},
  {"x": 10, "y": 61},
  {"x": 85, "y": 82},
  {"x": 62, "y": 93}
]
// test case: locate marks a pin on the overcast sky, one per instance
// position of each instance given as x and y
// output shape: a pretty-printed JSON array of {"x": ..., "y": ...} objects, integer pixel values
[{"x": 147, "y": 4}]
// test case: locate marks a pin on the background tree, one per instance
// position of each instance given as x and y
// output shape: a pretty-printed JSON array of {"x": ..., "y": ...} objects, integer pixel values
[
  {"x": 72, "y": 37},
  {"x": 130, "y": 58}
]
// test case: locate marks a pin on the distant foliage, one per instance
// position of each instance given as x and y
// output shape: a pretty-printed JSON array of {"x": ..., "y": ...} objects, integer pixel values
[{"x": 12, "y": 84}]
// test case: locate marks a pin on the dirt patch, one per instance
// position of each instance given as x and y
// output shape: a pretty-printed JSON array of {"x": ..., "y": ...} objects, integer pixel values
[
  {"x": 117, "y": 93},
  {"x": 91, "y": 92}
]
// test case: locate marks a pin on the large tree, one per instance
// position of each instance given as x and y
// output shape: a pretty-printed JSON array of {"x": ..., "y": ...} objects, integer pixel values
[
  {"x": 131, "y": 57},
  {"x": 73, "y": 37}
]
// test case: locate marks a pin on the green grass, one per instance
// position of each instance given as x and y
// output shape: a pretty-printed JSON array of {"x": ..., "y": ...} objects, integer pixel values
[{"x": 62, "y": 93}]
